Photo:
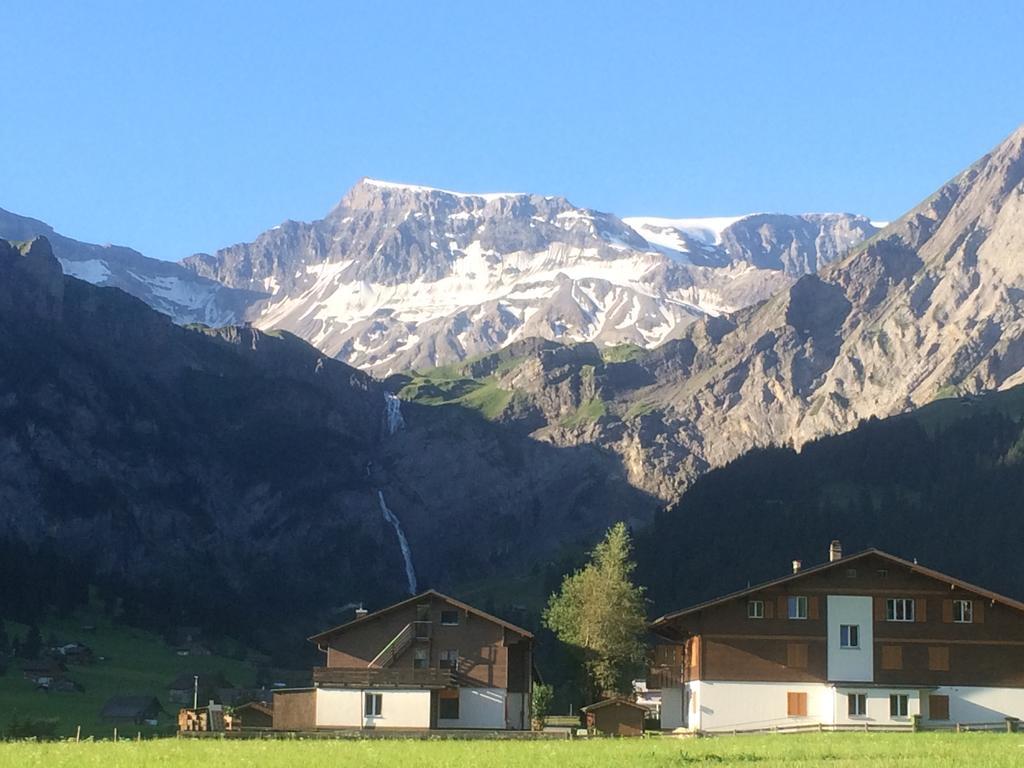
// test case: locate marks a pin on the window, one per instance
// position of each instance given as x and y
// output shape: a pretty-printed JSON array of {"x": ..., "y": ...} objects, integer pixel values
[
  {"x": 882, "y": 572},
  {"x": 963, "y": 612},
  {"x": 449, "y": 659},
  {"x": 899, "y": 609},
  {"x": 755, "y": 609},
  {"x": 851, "y": 573},
  {"x": 373, "y": 704},
  {"x": 450, "y": 618},
  {"x": 938, "y": 707},
  {"x": 849, "y": 636},
  {"x": 423, "y": 612},
  {"x": 796, "y": 704},
  {"x": 898, "y": 703},
  {"x": 421, "y": 658},
  {"x": 448, "y": 704},
  {"x": 938, "y": 659},
  {"x": 798, "y": 607},
  {"x": 892, "y": 657},
  {"x": 857, "y": 704}
]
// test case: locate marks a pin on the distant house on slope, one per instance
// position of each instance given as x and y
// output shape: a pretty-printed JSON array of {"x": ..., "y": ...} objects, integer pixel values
[
  {"x": 428, "y": 662},
  {"x": 865, "y": 639},
  {"x": 134, "y": 710}
]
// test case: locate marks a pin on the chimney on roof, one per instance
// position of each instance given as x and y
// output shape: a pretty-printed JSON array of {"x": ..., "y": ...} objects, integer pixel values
[
  {"x": 797, "y": 565},
  {"x": 835, "y": 551},
  {"x": 360, "y": 611}
]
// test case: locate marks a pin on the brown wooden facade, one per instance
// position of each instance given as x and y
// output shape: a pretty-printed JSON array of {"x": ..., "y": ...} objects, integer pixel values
[
  {"x": 615, "y": 717},
  {"x": 721, "y": 641},
  {"x": 450, "y": 644}
]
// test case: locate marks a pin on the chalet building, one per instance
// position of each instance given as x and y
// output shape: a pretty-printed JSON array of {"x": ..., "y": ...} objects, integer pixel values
[
  {"x": 428, "y": 662},
  {"x": 868, "y": 638}
]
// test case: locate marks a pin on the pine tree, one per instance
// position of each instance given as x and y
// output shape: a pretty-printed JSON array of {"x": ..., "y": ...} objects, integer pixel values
[{"x": 600, "y": 612}]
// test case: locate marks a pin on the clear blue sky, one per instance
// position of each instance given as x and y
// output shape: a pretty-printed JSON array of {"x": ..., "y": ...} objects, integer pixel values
[{"x": 183, "y": 126}]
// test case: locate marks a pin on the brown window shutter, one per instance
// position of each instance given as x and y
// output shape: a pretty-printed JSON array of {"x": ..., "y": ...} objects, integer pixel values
[
  {"x": 938, "y": 707},
  {"x": 921, "y": 609},
  {"x": 783, "y": 607},
  {"x": 769, "y": 609},
  {"x": 879, "y": 609},
  {"x": 796, "y": 704},
  {"x": 947, "y": 611},
  {"x": 892, "y": 657},
  {"x": 979, "y": 611},
  {"x": 938, "y": 659},
  {"x": 796, "y": 655},
  {"x": 812, "y": 607}
]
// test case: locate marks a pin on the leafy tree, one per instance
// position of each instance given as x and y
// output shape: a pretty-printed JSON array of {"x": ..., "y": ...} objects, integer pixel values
[
  {"x": 600, "y": 612},
  {"x": 540, "y": 705}
]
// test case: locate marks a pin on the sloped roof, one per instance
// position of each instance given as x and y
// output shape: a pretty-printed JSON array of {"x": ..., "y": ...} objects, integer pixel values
[
  {"x": 841, "y": 562},
  {"x": 130, "y": 706},
  {"x": 616, "y": 701},
  {"x": 428, "y": 593}
]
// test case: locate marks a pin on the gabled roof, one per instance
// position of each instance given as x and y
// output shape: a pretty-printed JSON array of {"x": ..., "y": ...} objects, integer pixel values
[
  {"x": 841, "y": 562},
  {"x": 609, "y": 702},
  {"x": 321, "y": 636},
  {"x": 130, "y": 706}
]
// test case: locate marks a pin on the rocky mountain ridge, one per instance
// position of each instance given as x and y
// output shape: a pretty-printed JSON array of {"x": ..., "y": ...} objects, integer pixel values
[
  {"x": 397, "y": 277},
  {"x": 164, "y": 285},
  {"x": 929, "y": 307}
]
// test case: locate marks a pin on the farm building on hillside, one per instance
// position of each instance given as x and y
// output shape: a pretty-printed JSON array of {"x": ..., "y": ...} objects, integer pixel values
[
  {"x": 135, "y": 710},
  {"x": 615, "y": 717},
  {"x": 428, "y": 662},
  {"x": 865, "y": 639}
]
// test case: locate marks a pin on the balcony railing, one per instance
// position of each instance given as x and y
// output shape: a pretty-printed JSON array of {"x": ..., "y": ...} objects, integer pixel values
[
  {"x": 665, "y": 676},
  {"x": 387, "y": 677}
]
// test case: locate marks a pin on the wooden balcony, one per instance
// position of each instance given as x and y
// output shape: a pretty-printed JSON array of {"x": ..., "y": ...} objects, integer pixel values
[
  {"x": 665, "y": 676},
  {"x": 386, "y": 677}
]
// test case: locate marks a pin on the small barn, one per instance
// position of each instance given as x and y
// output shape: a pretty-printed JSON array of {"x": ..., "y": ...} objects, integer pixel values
[
  {"x": 615, "y": 717},
  {"x": 132, "y": 709},
  {"x": 255, "y": 715}
]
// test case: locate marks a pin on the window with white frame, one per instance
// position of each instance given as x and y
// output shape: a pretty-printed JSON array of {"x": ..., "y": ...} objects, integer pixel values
[
  {"x": 856, "y": 704},
  {"x": 450, "y": 618},
  {"x": 963, "y": 612},
  {"x": 373, "y": 704},
  {"x": 755, "y": 609},
  {"x": 797, "y": 607},
  {"x": 849, "y": 636},
  {"x": 898, "y": 704},
  {"x": 899, "y": 609}
]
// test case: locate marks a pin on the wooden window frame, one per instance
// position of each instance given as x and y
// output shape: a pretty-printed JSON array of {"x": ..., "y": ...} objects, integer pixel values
[
  {"x": 963, "y": 611},
  {"x": 892, "y": 613},
  {"x": 421, "y": 658},
  {"x": 793, "y": 603},
  {"x": 755, "y": 609},
  {"x": 445, "y": 623}
]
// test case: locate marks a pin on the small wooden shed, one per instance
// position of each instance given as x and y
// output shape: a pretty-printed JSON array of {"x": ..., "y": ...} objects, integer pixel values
[{"x": 615, "y": 717}]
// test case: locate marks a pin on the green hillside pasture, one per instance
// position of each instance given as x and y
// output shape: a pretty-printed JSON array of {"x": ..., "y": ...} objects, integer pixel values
[{"x": 847, "y": 750}]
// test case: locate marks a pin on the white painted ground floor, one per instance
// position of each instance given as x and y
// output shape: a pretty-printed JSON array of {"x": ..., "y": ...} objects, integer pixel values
[
  {"x": 486, "y": 708},
  {"x": 725, "y": 706}
]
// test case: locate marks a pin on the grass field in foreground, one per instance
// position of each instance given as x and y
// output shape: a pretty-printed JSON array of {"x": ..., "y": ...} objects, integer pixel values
[{"x": 919, "y": 750}]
